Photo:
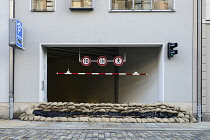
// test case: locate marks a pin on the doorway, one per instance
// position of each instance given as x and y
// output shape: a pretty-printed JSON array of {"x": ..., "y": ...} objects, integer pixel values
[{"x": 105, "y": 88}]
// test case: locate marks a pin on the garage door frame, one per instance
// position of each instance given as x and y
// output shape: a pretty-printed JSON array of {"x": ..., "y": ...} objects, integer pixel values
[{"x": 43, "y": 63}]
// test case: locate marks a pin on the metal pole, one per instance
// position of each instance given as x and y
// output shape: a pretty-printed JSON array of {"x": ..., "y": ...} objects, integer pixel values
[
  {"x": 199, "y": 60},
  {"x": 116, "y": 81},
  {"x": 11, "y": 67},
  {"x": 116, "y": 84},
  {"x": 11, "y": 84}
]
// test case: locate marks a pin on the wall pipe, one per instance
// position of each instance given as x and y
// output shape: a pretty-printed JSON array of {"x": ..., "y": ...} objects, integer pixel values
[
  {"x": 11, "y": 67},
  {"x": 199, "y": 60}
]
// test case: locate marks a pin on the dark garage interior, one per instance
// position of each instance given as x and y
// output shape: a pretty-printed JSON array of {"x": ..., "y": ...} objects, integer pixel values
[
  {"x": 80, "y": 88},
  {"x": 102, "y": 88}
]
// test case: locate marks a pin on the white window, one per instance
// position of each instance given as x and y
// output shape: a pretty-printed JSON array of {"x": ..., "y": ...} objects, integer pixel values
[
  {"x": 81, "y": 5},
  {"x": 142, "y": 5},
  {"x": 43, "y": 5}
]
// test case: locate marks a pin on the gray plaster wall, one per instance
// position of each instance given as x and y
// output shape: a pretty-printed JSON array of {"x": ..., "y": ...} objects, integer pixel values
[
  {"x": 4, "y": 53},
  {"x": 4, "y": 58},
  {"x": 64, "y": 26}
]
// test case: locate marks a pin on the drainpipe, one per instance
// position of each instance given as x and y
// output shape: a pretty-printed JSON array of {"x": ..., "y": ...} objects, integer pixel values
[
  {"x": 199, "y": 60},
  {"x": 11, "y": 67}
]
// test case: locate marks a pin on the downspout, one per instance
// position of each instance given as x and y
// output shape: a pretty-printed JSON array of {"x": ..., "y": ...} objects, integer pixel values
[
  {"x": 11, "y": 67},
  {"x": 199, "y": 60}
]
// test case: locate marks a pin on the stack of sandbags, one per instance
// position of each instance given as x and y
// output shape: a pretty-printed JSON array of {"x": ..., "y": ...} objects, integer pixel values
[
  {"x": 108, "y": 112},
  {"x": 106, "y": 107}
]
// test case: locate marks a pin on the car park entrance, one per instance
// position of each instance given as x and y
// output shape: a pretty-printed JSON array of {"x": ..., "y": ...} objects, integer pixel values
[{"x": 69, "y": 80}]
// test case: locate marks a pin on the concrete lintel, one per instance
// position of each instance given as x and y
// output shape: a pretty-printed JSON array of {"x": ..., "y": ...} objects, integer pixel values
[{"x": 102, "y": 44}]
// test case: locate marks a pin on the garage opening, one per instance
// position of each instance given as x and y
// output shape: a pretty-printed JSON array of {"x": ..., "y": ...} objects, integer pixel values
[{"x": 103, "y": 88}]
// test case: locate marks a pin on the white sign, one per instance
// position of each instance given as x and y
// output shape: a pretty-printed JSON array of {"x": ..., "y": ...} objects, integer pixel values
[
  {"x": 102, "y": 61},
  {"x": 86, "y": 61},
  {"x": 118, "y": 60}
]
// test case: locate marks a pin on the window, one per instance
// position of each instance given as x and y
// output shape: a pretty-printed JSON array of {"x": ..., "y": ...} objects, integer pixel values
[
  {"x": 142, "y": 5},
  {"x": 81, "y": 5},
  {"x": 43, "y": 5}
]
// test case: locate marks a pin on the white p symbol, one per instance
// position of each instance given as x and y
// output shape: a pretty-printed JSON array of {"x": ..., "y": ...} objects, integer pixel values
[{"x": 19, "y": 28}]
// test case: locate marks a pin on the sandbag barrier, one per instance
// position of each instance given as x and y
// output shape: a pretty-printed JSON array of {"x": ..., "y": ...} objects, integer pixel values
[{"x": 107, "y": 112}]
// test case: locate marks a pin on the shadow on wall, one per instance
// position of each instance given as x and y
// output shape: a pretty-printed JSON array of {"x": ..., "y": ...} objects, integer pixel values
[{"x": 143, "y": 89}]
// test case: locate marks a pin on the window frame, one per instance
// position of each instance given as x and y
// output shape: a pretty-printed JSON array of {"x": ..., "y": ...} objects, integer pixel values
[
  {"x": 150, "y": 10},
  {"x": 81, "y": 8},
  {"x": 31, "y": 7}
]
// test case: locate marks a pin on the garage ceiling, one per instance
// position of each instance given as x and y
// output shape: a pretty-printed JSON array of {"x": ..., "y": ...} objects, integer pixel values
[{"x": 73, "y": 52}]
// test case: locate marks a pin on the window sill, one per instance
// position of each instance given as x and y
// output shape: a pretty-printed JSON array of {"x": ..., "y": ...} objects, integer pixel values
[
  {"x": 81, "y": 8},
  {"x": 42, "y": 10},
  {"x": 113, "y": 11}
]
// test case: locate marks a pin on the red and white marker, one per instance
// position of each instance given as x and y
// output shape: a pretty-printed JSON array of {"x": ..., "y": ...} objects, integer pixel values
[
  {"x": 118, "y": 61},
  {"x": 102, "y": 61},
  {"x": 135, "y": 73},
  {"x": 86, "y": 61}
]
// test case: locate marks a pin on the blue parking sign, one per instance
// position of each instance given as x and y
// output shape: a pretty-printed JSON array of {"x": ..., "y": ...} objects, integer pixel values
[{"x": 19, "y": 34}]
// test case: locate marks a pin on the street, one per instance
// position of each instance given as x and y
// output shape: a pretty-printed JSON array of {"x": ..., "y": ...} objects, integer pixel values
[
  {"x": 102, "y": 134},
  {"x": 16, "y": 129}
]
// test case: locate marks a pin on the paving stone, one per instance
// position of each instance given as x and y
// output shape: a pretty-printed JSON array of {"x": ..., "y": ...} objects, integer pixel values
[{"x": 75, "y": 130}]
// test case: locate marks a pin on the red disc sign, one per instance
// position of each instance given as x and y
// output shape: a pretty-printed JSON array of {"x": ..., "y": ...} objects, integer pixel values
[
  {"x": 102, "y": 61},
  {"x": 118, "y": 60},
  {"x": 86, "y": 61}
]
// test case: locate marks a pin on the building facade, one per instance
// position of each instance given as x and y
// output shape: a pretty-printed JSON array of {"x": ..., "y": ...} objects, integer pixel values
[
  {"x": 205, "y": 60},
  {"x": 58, "y": 34}
]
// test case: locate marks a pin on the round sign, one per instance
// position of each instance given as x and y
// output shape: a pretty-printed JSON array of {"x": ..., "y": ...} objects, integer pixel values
[
  {"x": 102, "y": 61},
  {"x": 86, "y": 61},
  {"x": 118, "y": 60}
]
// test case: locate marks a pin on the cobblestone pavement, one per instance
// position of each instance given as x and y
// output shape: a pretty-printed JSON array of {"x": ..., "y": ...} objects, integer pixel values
[
  {"x": 17, "y": 124},
  {"x": 102, "y": 134},
  {"x": 16, "y": 129}
]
